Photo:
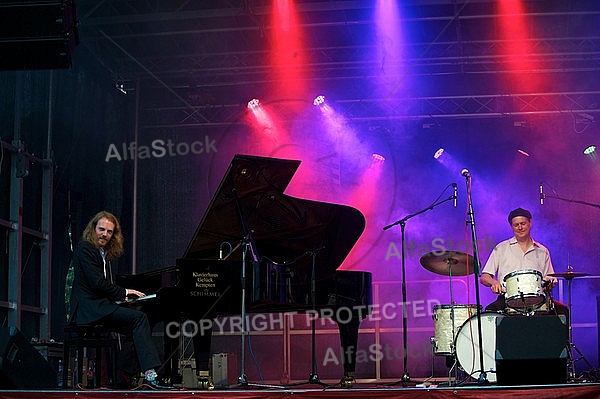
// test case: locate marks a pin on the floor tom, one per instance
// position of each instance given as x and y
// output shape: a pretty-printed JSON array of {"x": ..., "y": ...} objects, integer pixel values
[{"x": 447, "y": 321}]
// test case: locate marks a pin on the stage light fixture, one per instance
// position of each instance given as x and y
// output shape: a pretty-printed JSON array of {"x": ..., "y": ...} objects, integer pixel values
[
  {"x": 254, "y": 103},
  {"x": 438, "y": 153},
  {"x": 590, "y": 151},
  {"x": 525, "y": 153},
  {"x": 121, "y": 87},
  {"x": 318, "y": 101},
  {"x": 378, "y": 157}
]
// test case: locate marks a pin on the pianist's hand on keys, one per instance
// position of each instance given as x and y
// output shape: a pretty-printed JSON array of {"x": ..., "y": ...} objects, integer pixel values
[{"x": 133, "y": 294}]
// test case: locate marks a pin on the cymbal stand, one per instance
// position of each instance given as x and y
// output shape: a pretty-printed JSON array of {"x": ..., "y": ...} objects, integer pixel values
[
  {"x": 405, "y": 379},
  {"x": 453, "y": 346},
  {"x": 572, "y": 346},
  {"x": 477, "y": 268}
]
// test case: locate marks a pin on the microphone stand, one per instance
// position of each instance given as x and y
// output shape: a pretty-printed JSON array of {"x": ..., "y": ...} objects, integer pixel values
[
  {"x": 544, "y": 196},
  {"x": 242, "y": 378},
  {"x": 313, "y": 377},
  {"x": 246, "y": 244},
  {"x": 402, "y": 222},
  {"x": 471, "y": 221}
]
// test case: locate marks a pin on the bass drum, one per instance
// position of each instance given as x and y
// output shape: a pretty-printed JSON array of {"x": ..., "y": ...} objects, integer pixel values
[{"x": 467, "y": 346}]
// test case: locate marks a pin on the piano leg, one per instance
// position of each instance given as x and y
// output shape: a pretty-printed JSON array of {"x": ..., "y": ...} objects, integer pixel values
[
  {"x": 349, "y": 341},
  {"x": 202, "y": 344}
]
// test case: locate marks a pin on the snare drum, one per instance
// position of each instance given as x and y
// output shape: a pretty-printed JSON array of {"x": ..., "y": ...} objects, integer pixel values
[
  {"x": 443, "y": 342},
  {"x": 467, "y": 346},
  {"x": 524, "y": 289}
]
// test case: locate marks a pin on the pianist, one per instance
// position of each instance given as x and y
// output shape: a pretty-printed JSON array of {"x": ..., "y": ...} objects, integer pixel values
[{"x": 94, "y": 295}]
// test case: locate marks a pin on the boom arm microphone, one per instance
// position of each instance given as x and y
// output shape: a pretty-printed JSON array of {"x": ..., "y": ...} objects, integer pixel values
[{"x": 455, "y": 193}]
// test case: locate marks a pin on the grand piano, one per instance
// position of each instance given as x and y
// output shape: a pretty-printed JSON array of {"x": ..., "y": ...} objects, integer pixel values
[{"x": 257, "y": 249}]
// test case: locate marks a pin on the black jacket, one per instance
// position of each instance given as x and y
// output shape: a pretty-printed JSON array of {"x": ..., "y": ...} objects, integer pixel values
[{"x": 93, "y": 296}]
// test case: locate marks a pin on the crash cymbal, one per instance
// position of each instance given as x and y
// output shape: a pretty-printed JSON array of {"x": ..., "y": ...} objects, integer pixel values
[
  {"x": 569, "y": 275},
  {"x": 444, "y": 262}
]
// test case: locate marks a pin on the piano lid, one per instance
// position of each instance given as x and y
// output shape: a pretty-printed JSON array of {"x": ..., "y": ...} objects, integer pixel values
[{"x": 250, "y": 197}]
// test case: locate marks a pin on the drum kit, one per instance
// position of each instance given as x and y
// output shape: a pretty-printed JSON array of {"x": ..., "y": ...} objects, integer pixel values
[{"x": 456, "y": 333}]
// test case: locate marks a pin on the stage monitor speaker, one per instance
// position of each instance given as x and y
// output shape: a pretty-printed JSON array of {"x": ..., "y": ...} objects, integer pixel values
[
  {"x": 37, "y": 34},
  {"x": 21, "y": 365},
  {"x": 531, "y": 350}
]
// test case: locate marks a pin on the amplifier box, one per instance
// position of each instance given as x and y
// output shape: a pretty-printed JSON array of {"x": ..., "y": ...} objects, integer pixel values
[
  {"x": 187, "y": 368},
  {"x": 531, "y": 350},
  {"x": 224, "y": 370}
]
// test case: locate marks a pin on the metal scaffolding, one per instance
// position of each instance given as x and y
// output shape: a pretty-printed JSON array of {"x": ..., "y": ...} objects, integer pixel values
[{"x": 28, "y": 230}]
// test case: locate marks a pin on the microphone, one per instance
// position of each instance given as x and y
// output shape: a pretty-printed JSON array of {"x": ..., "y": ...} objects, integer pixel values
[
  {"x": 541, "y": 194},
  {"x": 455, "y": 193},
  {"x": 466, "y": 173}
]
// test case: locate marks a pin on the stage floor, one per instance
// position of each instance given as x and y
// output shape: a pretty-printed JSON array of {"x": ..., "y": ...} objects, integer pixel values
[{"x": 313, "y": 391}]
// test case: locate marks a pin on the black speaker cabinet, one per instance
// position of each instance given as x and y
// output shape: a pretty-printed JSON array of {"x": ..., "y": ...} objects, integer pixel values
[
  {"x": 21, "y": 365},
  {"x": 598, "y": 322},
  {"x": 37, "y": 34},
  {"x": 531, "y": 350}
]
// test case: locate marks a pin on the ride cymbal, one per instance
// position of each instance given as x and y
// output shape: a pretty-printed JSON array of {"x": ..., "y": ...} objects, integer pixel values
[
  {"x": 449, "y": 263},
  {"x": 569, "y": 275}
]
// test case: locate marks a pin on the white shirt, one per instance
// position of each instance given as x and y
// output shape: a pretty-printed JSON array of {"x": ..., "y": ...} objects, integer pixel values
[
  {"x": 107, "y": 272},
  {"x": 508, "y": 257}
]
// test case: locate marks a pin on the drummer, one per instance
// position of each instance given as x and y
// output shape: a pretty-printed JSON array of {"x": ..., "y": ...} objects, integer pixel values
[{"x": 520, "y": 252}]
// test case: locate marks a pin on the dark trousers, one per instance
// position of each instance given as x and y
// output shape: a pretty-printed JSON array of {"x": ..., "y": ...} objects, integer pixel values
[
  {"x": 499, "y": 305},
  {"x": 552, "y": 307},
  {"x": 135, "y": 323}
]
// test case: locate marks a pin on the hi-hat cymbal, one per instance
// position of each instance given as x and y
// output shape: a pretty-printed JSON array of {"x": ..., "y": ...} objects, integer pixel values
[
  {"x": 569, "y": 275},
  {"x": 448, "y": 263}
]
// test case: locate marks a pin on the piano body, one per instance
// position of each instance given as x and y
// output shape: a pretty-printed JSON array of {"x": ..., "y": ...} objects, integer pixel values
[{"x": 283, "y": 243}]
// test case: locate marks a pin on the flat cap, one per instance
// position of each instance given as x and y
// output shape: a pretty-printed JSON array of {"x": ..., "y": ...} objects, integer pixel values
[{"x": 518, "y": 212}]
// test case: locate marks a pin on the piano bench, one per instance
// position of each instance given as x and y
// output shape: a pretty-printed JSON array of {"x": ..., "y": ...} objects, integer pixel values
[{"x": 78, "y": 340}]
